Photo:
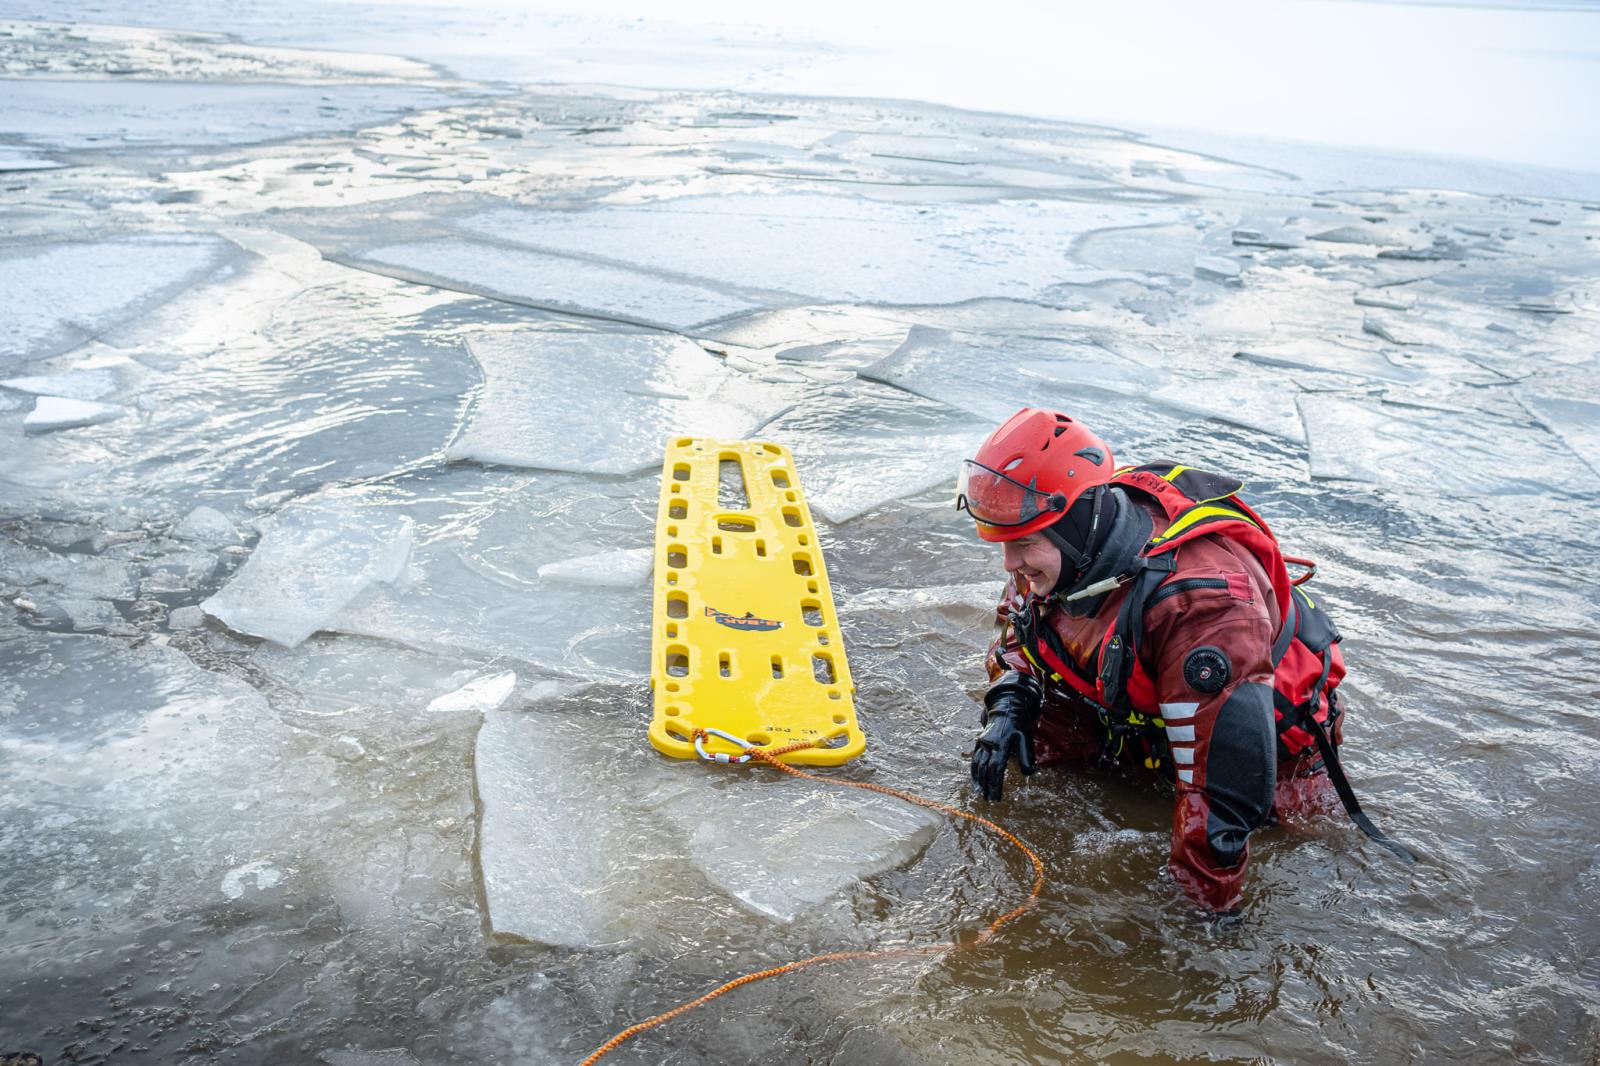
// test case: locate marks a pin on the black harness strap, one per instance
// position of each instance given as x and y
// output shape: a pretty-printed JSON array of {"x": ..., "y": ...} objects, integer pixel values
[
  {"x": 1286, "y": 633},
  {"x": 1330, "y": 760}
]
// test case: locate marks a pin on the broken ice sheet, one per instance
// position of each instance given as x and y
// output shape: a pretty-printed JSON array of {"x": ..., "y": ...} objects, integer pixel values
[
  {"x": 52, "y": 413},
  {"x": 992, "y": 376},
  {"x": 313, "y": 559},
  {"x": 820, "y": 247},
  {"x": 563, "y": 283},
  {"x": 67, "y": 574},
  {"x": 1397, "y": 446},
  {"x": 981, "y": 374},
  {"x": 1577, "y": 422},
  {"x": 614, "y": 874},
  {"x": 1332, "y": 357},
  {"x": 601, "y": 403},
  {"x": 57, "y": 296}
]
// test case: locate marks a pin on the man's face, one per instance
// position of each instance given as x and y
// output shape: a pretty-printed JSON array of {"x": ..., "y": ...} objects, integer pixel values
[{"x": 1034, "y": 560}]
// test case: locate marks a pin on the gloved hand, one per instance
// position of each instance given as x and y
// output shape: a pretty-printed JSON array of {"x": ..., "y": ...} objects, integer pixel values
[{"x": 1011, "y": 712}]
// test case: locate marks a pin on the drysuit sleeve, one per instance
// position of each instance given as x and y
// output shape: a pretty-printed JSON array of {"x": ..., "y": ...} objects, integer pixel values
[
  {"x": 1005, "y": 651},
  {"x": 1209, "y": 651}
]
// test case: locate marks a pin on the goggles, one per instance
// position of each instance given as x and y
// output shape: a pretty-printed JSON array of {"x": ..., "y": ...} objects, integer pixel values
[{"x": 994, "y": 499}]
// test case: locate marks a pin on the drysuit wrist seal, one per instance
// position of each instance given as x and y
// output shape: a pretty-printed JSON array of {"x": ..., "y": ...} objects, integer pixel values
[{"x": 1014, "y": 695}]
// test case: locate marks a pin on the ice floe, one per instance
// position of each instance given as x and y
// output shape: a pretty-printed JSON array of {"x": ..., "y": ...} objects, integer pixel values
[
  {"x": 555, "y": 876},
  {"x": 559, "y": 282},
  {"x": 1398, "y": 446},
  {"x": 597, "y": 402},
  {"x": 312, "y": 560},
  {"x": 782, "y": 847},
  {"x": 55, "y": 412},
  {"x": 56, "y": 296},
  {"x": 991, "y": 376},
  {"x": 622, "y": 568}
]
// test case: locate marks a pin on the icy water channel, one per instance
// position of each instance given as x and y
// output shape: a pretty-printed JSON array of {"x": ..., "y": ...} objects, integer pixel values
[{"x": 333, "y": 395}]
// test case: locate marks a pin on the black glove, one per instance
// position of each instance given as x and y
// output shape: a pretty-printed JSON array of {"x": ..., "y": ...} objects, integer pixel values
[{"x": 1011, "y": 711}]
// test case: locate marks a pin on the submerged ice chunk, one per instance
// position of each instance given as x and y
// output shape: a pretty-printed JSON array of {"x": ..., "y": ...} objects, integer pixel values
[
  {"x": 623, "y": 568},
  {"x": 1398, "y": 445},
  {"x": 55, "y": 412},
  {"x": 596, "y": 402},
  {"x": 312, "y": 559}
]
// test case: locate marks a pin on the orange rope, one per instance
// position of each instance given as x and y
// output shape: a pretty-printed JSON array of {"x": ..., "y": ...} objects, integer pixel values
[{"x": 770, "y": 757}]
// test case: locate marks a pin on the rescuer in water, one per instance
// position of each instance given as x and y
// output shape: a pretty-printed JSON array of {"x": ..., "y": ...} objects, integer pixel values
[{"x": 1150, "y": 617}]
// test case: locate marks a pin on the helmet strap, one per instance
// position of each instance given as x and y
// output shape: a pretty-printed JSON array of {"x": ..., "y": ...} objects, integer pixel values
[{"x": 1075, "y": 560}]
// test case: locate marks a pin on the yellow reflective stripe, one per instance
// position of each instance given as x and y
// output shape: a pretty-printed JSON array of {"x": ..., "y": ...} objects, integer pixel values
[
  {"x": 1174, "y": 472},
  {"x": 1304, "y": 595},
  {"x": 1199, "y": 514}
]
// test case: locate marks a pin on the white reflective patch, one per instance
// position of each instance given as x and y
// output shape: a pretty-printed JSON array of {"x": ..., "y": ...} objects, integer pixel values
[
  {"x": 1183, "y": 755},
  {"x": 1170, "y": 711},
  {"x": 1186, "y": 776},
  {"x": 1180, "y": 732}
]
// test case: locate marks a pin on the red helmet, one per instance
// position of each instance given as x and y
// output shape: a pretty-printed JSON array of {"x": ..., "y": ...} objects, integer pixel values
[{"x": 1029, "y": 472}]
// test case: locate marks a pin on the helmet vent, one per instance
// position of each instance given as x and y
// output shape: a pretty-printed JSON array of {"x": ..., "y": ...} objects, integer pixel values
[
  {"x": 1094, "y": 455},
  {"x": 1012, "y": 465},
  {"x": 1060, "y": 429}
]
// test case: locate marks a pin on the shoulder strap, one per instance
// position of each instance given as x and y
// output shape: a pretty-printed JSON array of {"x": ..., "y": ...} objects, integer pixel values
[{"x": 1122, "y": 650}]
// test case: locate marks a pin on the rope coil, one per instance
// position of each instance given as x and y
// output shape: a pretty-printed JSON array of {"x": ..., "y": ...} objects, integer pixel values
[{"x": 771, "y": 756}]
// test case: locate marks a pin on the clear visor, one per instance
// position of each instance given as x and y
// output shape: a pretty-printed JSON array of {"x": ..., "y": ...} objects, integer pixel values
[{"x": 996, "y": 500}]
